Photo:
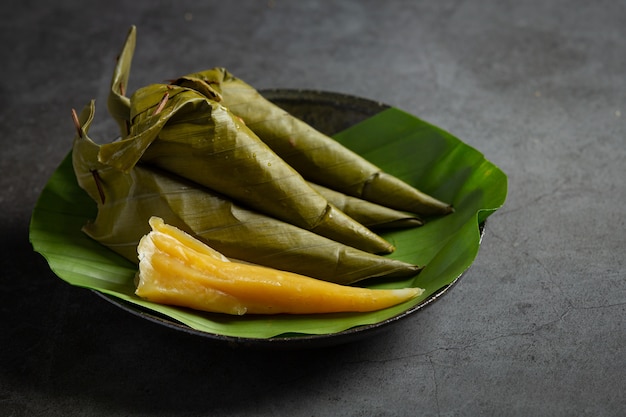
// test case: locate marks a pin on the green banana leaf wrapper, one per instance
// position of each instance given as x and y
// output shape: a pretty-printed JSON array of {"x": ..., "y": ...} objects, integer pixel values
[
  {"x": 185, "y": 133},
  {"x": 317, "y": 157},
  {"x": 126, "y": 200}
]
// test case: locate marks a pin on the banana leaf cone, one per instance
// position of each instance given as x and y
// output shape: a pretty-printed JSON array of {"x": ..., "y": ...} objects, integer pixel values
[
  {"x": 183, "y": 132},
  {"x": 126, "y": 200},
  {"x": 372, "y": 215},
  {"x": 317, "y": 157}
]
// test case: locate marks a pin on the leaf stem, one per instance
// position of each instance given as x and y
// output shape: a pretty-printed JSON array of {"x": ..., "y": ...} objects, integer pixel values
[
  {"x": 77, "y": 125},
  {"x": 98, "y": 181},
  {"x": 162, "y": 103}
]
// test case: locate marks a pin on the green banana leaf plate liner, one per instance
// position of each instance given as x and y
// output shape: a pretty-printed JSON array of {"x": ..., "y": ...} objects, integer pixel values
[{"x": 419, "y": 153}]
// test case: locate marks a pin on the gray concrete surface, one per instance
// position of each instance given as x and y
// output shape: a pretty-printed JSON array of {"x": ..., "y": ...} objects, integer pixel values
[{"x": 536, "y": 327}]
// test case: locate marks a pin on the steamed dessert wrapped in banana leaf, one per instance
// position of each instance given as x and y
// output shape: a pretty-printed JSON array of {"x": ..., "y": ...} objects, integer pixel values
[
  {"x": 176, "y": 269},
  {"x": 126, "y": 200},
  {"x": 317, "y": 157},
  {"x": 186, "y": 133}
]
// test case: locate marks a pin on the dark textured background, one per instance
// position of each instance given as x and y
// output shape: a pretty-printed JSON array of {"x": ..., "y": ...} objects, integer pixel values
[{"x": 536, "y": 327}]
